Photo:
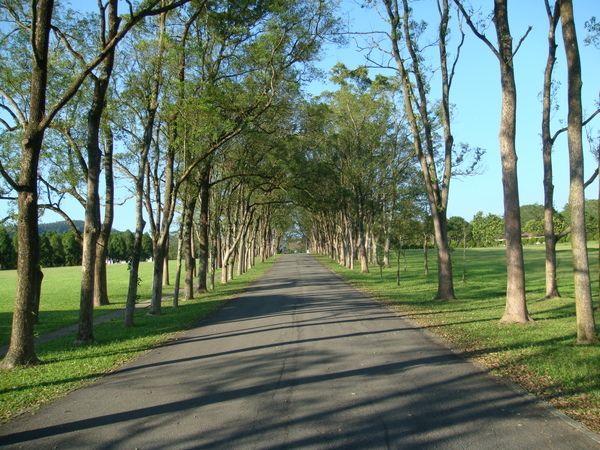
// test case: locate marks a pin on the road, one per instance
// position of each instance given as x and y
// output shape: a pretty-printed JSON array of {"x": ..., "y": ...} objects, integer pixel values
[{"x": 299, "y": 360}]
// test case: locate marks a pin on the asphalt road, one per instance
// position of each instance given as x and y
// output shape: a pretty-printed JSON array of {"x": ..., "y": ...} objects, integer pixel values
[{"x": 300, "y": 360}]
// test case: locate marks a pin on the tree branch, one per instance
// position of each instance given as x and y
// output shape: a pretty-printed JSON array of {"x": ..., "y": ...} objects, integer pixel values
[
  {"x": 521, "y": 40},
  {"x": 591, "y": 180},
  {"x": 65, "y": 216},
  {"x": 16, "y": 112},
  {"x": 588, "y": 120},
  {"x": 13, "y": 184},
  {"x": 476, "y": 32}
]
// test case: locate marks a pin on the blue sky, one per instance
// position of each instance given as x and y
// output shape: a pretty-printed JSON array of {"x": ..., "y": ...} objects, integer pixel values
[{"x": 476, "y": 94}]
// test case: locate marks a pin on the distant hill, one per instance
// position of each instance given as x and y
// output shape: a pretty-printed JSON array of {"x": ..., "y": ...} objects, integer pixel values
[{"x": 59, "y": 227}]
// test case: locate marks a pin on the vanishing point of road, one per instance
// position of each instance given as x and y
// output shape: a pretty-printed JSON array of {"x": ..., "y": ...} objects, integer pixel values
[{"x": 298, "y": 360}]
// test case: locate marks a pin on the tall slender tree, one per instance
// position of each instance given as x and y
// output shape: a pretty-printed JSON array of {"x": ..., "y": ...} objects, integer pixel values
[
  {"x": 586, "y": 325},
  {"x": 516, "y": 304},
  {"x": 404, "y": 36},
  {"x": 33, "y": 118}
]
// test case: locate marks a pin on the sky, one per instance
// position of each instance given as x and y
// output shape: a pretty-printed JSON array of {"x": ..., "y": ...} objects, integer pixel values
[
  {"x": 477, "y": 98},
  {"x": 476, "y": 94}
]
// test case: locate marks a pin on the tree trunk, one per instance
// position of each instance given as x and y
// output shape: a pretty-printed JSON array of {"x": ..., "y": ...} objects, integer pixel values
[
  {"x": 100, "y": 282},
  {"x": 85, "y": 331},
  {"x": 516, "y": 306},
  {"x": 425, "y": 262},
  {"x": 36, "y": 308},
  {"x": 362, "y": 254},
  {"x": 179, "y": 261},
  {"x": 158, "y": 254},
  {"x": 586, "y": 326},
  {"x": 128, "y": 320},
  {"x": 21, "y": 351},
  {"x": 203, "y": 230},
  {"x": 444, "y": 262},
  {"x": 189, "y": 207},
  {"x": 91, "y": 230},
  {"x": 547, "y": 144},
  {"x": 166, "y": 281},
  {"x": 417, "y": 111}
]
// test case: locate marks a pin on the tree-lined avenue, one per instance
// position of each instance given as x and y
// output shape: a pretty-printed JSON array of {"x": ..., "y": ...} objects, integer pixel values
[{"x": 299, "y": 360}]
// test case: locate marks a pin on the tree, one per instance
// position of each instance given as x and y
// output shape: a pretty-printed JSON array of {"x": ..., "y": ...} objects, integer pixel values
[
  {"x": 91, "y": 228},
  {"x": 516, "y": 304},
  {"x": 360, "y": 145},
  {"x": 58, "y": 249},
  {"x": 405, "y": 33},
  {"x": 586, "y": 326},
  {"x": 21, "y": 350},
  {"x": 550, "y": 236},
  {"x": 488, "y": 229},
  {"x": 7, "y": 252},
  {"x": 32, "y": 118},
  {"x": 459, "y": 230},
  {"x": 117, "y": 249},
  {"x": 72, "y": 247}
]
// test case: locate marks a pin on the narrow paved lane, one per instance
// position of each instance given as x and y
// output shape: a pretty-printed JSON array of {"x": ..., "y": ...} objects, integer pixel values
[{"x": 300, "y": 360}]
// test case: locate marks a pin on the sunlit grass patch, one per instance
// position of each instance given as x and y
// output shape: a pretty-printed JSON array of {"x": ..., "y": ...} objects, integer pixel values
[
  {"x": 67, "y": 366},
  {"x": 542, "y": 356},
  {"x": 59, "y": 302}
]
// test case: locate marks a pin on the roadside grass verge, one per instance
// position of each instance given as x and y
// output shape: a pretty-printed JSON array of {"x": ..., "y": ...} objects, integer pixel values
[
  {"x": 59, "y": 301},
  {"x": 67, "y": 367},
  {"x": 542, "y": 357}
]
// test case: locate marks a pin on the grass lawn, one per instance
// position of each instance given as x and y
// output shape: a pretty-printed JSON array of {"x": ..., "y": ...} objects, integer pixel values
[
  {"x": 68, "y": 367},
  {"x": 59, "y": 302},
  {"x": 541, "y": 356}
]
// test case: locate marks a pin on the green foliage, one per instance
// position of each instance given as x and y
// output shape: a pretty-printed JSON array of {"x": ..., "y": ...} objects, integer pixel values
[
  {"x": 591, "y": 217},
  {"x": 8, "y": 255},
  {"x": 532, "y": 212},
  {"x": 459, "y": 230},
  {"x": 487, "y": 230},
  {"x": 593, "y": 28},
  {"x": 72, "y": 248},
  {"x": 120, "y": 246},
  {"x": 534, "y": 227}
]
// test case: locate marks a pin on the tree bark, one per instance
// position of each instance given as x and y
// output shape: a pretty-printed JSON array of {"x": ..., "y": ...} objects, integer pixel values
[
  {"x": 425, "y": 262},
  {"x": 140, "y": 223},
  {"x": 586, "y": 326},
  {"x": 516, "y": 305},
  {"x": 91, "y": 229},
  {"x": 420, "y": 125},
  {"x": 203, "y": 230},
  {"x": 21, "y": 351},
  {"x": 547, "y": 144},
  {"x": 100, "y": 281},
  {"x": 178, "y": 269},
  {"x": 188, "y": 247}
]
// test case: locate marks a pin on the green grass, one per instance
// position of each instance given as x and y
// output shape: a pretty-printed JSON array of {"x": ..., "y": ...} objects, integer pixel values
[
  {"x": 68, "y": 367},
  {"x": 59, "y": 302},
  {"x": 541, "y": 356}
]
